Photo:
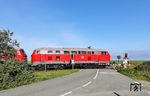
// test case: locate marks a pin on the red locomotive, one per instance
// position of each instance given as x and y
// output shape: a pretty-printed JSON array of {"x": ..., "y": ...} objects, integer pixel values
[
  {"x": 21, "y": 55},
  {"x": 60, "y": 57}
]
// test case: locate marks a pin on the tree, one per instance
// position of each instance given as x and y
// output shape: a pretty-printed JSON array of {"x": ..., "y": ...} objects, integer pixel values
[
  {"x": 12, "y": 72},
  {"x": 7, "y": 44}
]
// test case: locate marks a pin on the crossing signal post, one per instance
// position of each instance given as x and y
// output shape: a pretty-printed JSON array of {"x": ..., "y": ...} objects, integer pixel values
[{"x": 125, "y": 60}]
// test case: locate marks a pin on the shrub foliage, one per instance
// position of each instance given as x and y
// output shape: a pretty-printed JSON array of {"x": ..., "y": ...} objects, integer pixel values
[{"x": 12, "y": 72}]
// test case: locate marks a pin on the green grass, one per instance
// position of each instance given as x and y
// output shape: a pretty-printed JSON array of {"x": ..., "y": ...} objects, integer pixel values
[
  {"x": 137, "y": 70},
  {"x": 135, "y": 63},
  {"x": 42, "y": 75},
  {"x": 135, "y": 74}
]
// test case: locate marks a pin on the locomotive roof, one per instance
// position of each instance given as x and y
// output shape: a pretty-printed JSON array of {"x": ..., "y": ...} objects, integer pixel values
[{"x": 71, "y": 49}]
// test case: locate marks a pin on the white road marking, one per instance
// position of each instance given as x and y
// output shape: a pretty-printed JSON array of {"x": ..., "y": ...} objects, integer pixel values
[
  {"x": 86, "y": 84},
  {"x": 67, "y": 93},
  {"x": 96, "y": 74},
  {"x": 149, "y": 93}
]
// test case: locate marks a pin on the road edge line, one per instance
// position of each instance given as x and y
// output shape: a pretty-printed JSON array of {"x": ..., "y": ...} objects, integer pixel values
[
  {"x": 86, "y": 84},
  {"x": 96, "y": 74},
  {"x": 67, "y": 93}
]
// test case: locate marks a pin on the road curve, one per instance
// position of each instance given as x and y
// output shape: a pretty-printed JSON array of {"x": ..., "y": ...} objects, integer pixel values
[{"x": 87, "y": 82}]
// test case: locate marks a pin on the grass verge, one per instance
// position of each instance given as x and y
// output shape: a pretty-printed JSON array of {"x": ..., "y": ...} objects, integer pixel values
[
  {"x": 135, "y": 74},
  {"x": 38, "y": 76},
  {"x": 42, "y": 75},
  {"x": 139, "y": 70}
]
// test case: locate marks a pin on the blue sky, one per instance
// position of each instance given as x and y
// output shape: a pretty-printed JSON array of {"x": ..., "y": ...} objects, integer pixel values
[{"x": 116, "y": 25}]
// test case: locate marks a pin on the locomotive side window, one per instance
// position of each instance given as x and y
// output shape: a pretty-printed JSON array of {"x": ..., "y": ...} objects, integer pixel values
[
  {"x": 92, "y": 52},
  {"x": 83, "y": 52},
  {"x": 49, "y": 51},
  {"x": 38, "y": 52},
  {"x": 66, "y": 52},
  {"x": 43, "y": 52},
  {"x": 74, "y": 52},
  {"x": 57, "y": 51},
  {"x": 89, "y": 52},
  {"x": 96, "y": 52},
  {"x": 79, "y": 52},
  {"x": 57, "y": 58},
  {"x": 104, "y": 53}
]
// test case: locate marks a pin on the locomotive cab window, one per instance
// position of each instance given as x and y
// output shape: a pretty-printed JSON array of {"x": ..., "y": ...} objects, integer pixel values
[
  {"x": 104, "y": 53},
  {"x": 38, "y": 52}
]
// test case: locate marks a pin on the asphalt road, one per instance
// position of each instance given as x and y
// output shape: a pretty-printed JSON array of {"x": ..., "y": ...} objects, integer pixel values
[{"x": 87, "y": 82}]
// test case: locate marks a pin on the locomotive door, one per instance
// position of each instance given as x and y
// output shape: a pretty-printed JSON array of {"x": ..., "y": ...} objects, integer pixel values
[
  {"x": 72, "y": 56},
  {"x": 103, "y": 56},
  {"x": 43, "y": 57}
]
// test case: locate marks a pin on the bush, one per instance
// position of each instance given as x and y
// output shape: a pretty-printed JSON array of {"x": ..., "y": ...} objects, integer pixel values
[{"x": 14, "y": 73}]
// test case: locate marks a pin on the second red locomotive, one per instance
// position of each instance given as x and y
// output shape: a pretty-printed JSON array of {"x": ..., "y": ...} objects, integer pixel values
[
  {"x": 20, "y": 55},
  {"x": 60, "y": 57}
]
